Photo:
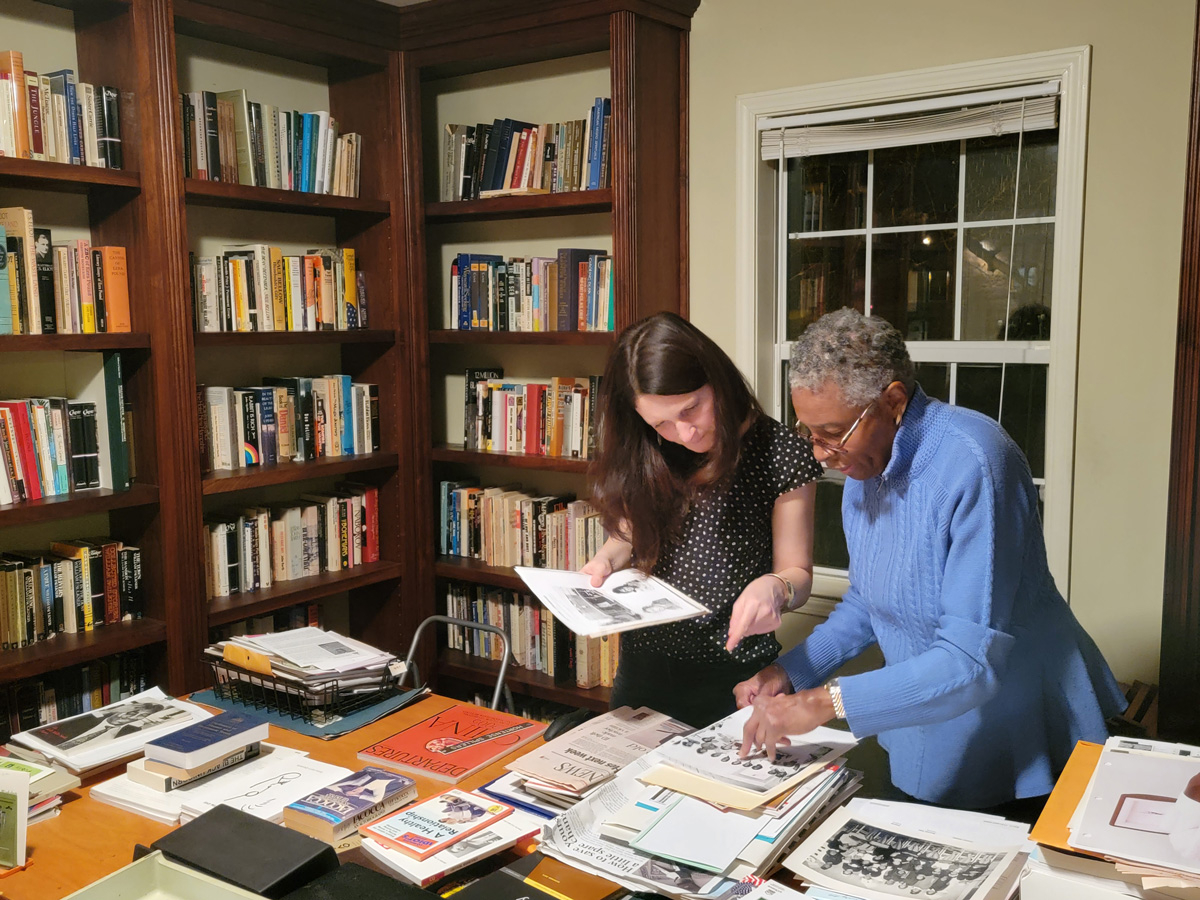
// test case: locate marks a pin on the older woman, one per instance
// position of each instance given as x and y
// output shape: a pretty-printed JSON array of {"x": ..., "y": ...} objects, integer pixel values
[{"x": 988, "y": 679}]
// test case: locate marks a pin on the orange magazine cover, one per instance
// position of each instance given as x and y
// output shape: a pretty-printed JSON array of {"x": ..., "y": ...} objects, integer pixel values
[
  {"x": 429, "y": 826},
  {"x": 453, "y": 744}
]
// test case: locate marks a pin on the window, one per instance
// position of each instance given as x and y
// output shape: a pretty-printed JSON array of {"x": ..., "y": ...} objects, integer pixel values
[{"x": 943, "y": 212}]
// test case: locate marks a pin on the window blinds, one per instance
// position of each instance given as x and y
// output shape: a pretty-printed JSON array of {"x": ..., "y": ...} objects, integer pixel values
[{"x": 885, "y": 128}]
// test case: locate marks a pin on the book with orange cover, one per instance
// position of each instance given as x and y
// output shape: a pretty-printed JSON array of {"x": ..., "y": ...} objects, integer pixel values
[
  {"x": 430, "y": 826},
  {"x": 116, "y": 288},
  {"x": 454, "y": 743}
]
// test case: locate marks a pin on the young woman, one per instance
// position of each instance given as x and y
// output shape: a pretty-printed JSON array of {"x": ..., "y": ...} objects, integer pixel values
[{"x": 699, "y": 487}]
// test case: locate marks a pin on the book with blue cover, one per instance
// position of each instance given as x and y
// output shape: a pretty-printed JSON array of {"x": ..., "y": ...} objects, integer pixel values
[
  {"x": 337, "y": 810},
  {"x": 209, "y": 739}
]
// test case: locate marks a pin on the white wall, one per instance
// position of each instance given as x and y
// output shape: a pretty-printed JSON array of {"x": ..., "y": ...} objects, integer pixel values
[{"x": 1141, "y": 68}]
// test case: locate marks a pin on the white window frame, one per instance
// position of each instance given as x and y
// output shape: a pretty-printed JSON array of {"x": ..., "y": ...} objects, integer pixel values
[{"x": 755, "y": 198}]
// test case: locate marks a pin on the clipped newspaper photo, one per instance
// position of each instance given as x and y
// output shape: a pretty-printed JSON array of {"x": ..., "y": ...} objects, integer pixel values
[
  {"x": 591, "y": 753},
  {"x": 628, "y": 600}
]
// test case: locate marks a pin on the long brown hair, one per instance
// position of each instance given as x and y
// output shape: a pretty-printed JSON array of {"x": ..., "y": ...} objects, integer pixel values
[{"x": 640, "y": 484}]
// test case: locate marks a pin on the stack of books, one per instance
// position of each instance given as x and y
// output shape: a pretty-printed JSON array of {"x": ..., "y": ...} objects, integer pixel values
[
  {"x": 56, "y": 118},
  {"x": 556, "y": 417},
  {"x": 228, "y": 137},
  {"x": 1124, "y": 820},
  {"x": 572, "y": 291},
  {"x": 47, "y": 784},
  {"x": 691, "y": 816},
  {"x": 198, "y": 751},
  {"x": 287, "y": 419},
  {"x": 513, "y": 157},
  {"x": 68, "y": 287},
  {"x": 255, "y": 287},
  {"x": 336, "y": 811}
]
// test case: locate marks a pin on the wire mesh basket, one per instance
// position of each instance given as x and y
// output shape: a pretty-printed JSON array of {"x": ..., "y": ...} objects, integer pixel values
[{"x": 316, "y": 704}]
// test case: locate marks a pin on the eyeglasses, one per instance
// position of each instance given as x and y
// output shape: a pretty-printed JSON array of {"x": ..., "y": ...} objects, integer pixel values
[{"x": 828, "y": 446}]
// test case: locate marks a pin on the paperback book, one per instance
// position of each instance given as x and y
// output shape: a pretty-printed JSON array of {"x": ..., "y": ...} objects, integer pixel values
[
  {"x": 335, "y": 811},
  {"x": 454, "y": 743},
  {"x": 207, "y": 741},
  {"x": 430, "y": 826}
]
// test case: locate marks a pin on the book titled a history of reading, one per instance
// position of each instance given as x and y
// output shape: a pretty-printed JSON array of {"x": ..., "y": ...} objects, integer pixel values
[
  {"x": 454, "y": 743},
  {"x": 432, "y": 825}
]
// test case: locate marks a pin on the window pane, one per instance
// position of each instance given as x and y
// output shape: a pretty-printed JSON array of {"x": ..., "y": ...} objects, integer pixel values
[
  {"x": 829, "y": 541},
  {"x": 1023, "y": 414},
  {"x": 916, "y": 185},
  {"x": 935, "y": 379},
  {"x": 827, "y": 193},
  {"x": 824, "y": 274},
  {"x": 991, "y": 175},
  {"x": 986, "y": 281},
  {"x": 912, "y": 283}
]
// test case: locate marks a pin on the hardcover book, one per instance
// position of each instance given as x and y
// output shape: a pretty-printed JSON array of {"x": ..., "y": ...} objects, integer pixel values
[
  {"x": 333, "y": 812},
  {"x": 211, "y": 739},
  {"x": 432, "y": 825},
  {"x": 454, "y": 743}
]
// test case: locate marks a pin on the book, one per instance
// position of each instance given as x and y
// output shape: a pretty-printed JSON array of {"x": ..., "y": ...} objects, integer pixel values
[
  {"x": 454, "y": 743},
  {"x": 14, "y": 813},
  {"x": 148, "y": 773},
  {"x": 207, "y": 741},
  {"x": 430, "y": 826},
  {"x": 337, "y": 810},
  {"x": 112, "y": 282}
]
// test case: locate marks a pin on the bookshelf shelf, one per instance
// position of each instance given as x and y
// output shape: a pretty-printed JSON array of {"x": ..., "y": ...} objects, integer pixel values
[
  {"x": 524, "y": 206},
  {"x": 555, "y": 338},
  {"x": 76, "y": 649},
  {"x": 228, "y": 480},
  {"x": 223, "y": 610},
  {"x": 241, "y": 196},
  {"x": 70, "y": 506},
  {"x": 51, "y": 176},
  {"x": 456, "y": 453},
  {"x": 283, "y": 338},
  {"x": 460, "y": 568},
  {"x": 112, "y": 7},
  {"x": 464, "y": 667},
  {"x": 137, "y": 340}
]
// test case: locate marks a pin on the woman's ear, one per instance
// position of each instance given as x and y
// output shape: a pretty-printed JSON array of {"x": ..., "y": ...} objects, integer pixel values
[{"x": 895, "y": 400}]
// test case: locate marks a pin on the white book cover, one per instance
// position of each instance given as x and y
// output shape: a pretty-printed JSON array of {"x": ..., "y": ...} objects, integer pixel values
[
  {"x": 265, "y": 790},
  {"x": 627, "y": 600}
]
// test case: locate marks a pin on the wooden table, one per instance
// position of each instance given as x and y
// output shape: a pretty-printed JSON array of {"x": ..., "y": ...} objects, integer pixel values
[{"x": 89, "y": 839}]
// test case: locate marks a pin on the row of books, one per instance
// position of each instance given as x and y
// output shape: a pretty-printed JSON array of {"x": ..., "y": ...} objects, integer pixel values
[
  {"x": 68, "y": 287},
  {"x": 287, "y": 419},
  {"x": 514, "y": 157},
  {"x": 292, "y": 617},
  {"x": 70, "y": 691},
  {"x": 570, "y": 292},
  {"x": 254, "y": 548},
  {"x": 540, "y": 419},
  {"x": 52, "y": 446},
  {"x": 228, "y": 137},
  {"x": 255, "y": 287},
  {"x": 538, "y": 641},
  {"x": 74, "y": 587},
  {"x": 57, "y": 118},
  {"x": 505, "y": 526}
]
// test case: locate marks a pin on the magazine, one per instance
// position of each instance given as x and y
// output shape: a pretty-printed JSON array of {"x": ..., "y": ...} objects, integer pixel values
[
  {"x": 433, "y": 825},
  {"x": 112, "y": 732},
  {"x": 629, "y": 599}
]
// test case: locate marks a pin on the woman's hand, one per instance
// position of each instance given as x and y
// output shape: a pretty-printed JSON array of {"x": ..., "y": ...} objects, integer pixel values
[
  {"x": 613, "y": 556},
  {"x": 776, "y": 717},
  {"x": 758, "y": 610},
  {"x": 767, "y": 683}
]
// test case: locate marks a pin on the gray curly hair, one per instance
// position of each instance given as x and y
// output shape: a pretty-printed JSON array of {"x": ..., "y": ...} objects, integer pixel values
[{"x": 861, "y": 355}]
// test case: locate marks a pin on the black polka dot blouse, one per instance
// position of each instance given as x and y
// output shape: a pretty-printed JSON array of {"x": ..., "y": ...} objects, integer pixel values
[{"x": 726, "y": 544}]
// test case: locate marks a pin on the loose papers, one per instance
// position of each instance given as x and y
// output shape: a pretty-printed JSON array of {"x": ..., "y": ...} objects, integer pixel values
[{"x": 629, "y": 599}]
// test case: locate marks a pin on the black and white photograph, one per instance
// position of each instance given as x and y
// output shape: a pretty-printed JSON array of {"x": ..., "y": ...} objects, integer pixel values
[
  {"x": 872, "y": 862},
  {"x": 672, "y": 875}
]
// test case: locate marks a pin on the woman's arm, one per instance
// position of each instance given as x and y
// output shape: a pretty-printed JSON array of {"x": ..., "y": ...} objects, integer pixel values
[
  {"x": 612, "y": 557},
  {"x": 760, "y": 607}
]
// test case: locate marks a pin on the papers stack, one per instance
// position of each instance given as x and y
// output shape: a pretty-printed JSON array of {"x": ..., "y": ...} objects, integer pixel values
[
  {"x": 560, "y": 773},
  {"x": 1132, "y": 809},
  {"x": 310, "y": 658},
  {"x": 101, "y": 738},
  {"x": 656, "y": 824}
]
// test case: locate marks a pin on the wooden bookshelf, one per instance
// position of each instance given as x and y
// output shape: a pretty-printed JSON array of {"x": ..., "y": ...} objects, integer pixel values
[
  {"x": 521, "y": 206},
  {"x": 66, "y": 650},
  {"x": 284, "y": 338},
  {"x": 242, "y": 196},
  {"x": 456, "y": 454},
  {"x": 18, "y": 343},
  {"x": 81, "y": 503},
  {"x": 475, "y": 670},
  {"x": 534, "y": 338},
  {"x": 461, "y": 568},
  {"x": 224, "y": 481},
  {"x": 235, "y": 607},
  {"x": 52, "y": 176}
]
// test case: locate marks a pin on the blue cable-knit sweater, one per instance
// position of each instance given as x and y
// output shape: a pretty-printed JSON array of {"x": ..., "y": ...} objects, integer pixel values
[{"x": 989, "y": 679}]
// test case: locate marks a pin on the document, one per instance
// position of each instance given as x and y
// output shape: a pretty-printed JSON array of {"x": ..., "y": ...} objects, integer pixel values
[{"x": 628, "y": 600}]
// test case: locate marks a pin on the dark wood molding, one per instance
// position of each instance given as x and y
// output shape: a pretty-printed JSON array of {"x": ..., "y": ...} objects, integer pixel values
[
  {"x": 224, "y": 481},
  {"x": 572, "y": 203},
  {"x": 282, "y": 594},
  {"x": 78, "y": 649},
  {"x": 82, "y": 503},
  {"x": 455, "y": 453},
  {"x": 476, "y": 670},
  {"x": 544, "y": 338},
  {"x": 1179, "y": 668}
]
